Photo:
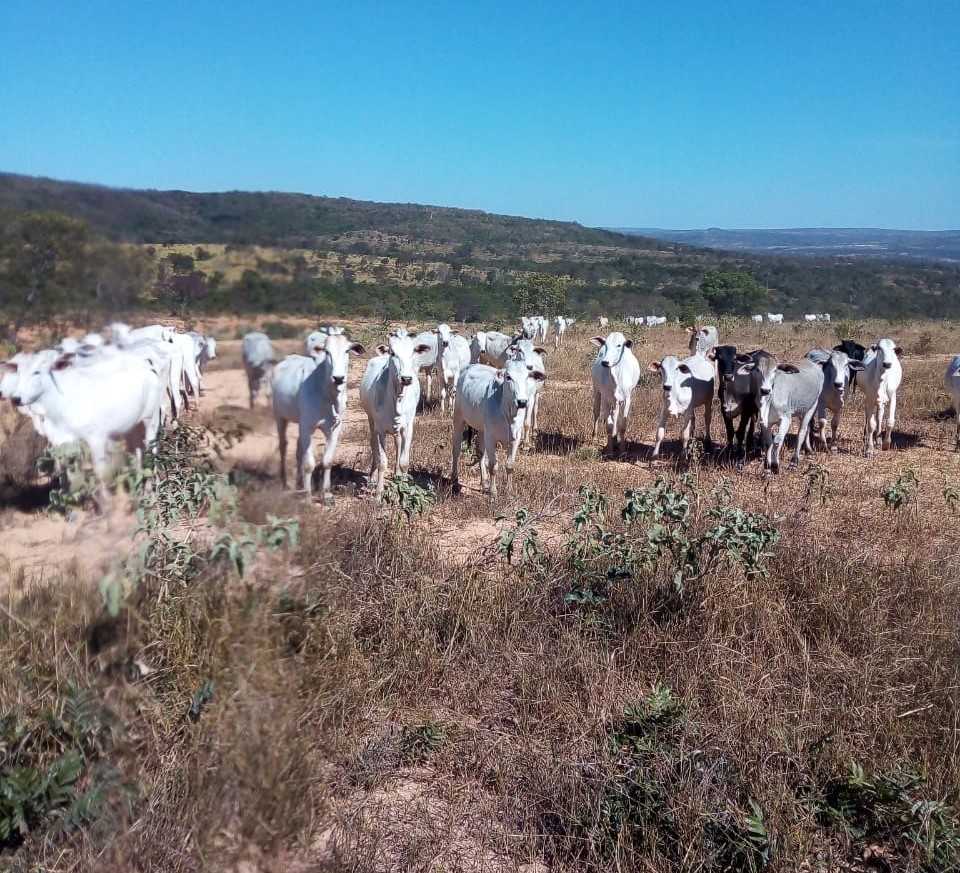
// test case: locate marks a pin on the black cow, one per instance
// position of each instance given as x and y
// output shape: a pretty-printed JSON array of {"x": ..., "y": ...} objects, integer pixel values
[{"x": 738, "y": 395}]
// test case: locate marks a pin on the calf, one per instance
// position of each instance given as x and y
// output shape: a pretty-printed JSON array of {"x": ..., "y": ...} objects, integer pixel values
[
  {"x": 389, "y": 394},
  {"x": 838, "y": 371},
  {"x": 492, "y": 402},
  {"x": 615, "y": 374},
  {"x": 738, "y": 394},
  {"x": 313, "y": 392},
  {"x": 258, "y": 361},
  {"x": 687, "y": 385},
  {"x": 787, "y": 391},
  {"x": 880, "y": 380},
  {"x": 951, "y": 381},
  {"x": 702, "y": 339},
  {"x": 427, "y": 362}
]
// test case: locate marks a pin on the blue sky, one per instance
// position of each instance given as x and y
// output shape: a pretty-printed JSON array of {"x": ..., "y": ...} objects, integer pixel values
[{"x": 696, "y": 114}]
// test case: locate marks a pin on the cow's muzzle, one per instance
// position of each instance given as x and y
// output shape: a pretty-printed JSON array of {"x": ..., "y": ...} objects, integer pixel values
[
  {"x": 16, "y": 401},
  {"x": 887, "y": 365},
  {"x": 605, "y": 364},
  {"x": 338, "y": 380},
  {"x": 765, "y": 392},
  {"x": 406, "y": 380},
  {"x": 521, "y": 404}
]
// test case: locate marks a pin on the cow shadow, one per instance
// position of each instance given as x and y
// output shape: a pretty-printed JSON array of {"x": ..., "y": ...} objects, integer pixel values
[{"x": 556, "y": 444}]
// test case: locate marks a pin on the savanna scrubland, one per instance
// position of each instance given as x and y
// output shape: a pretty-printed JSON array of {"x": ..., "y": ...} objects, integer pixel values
[{"x": 623, "y": 664}]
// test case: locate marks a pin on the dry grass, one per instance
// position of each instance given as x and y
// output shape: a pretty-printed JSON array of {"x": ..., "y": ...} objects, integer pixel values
[{"x": 395, "y": 696}]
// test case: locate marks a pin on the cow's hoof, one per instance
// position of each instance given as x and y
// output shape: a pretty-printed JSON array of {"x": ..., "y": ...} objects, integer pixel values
[{"x": 456, "y": 489}]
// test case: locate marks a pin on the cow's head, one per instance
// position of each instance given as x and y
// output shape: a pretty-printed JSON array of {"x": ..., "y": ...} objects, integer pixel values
[
  {"x": 443, "y": 332},
  {"x": 887, "y": 352},
  {"x": 611, "y": 349},
  {"x": 529, "y": 325},
  {"x": 33, "y": 375},
  {"x": 726, "y": 358},
  {"x": 211, "y": 345},
  {"x": 402, "y": 369},
  {"x": 337, "y": 350},
  {"x": 676, "y": 380},
  {"x": 839, "y": 368},
  {"x": 515, "y": 379}
]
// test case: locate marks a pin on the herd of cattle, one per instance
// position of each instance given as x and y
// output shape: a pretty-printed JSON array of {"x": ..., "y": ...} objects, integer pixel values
[{"x": 99, "y": 392}]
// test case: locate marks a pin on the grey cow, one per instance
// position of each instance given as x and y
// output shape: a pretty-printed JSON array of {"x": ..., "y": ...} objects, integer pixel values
[
  {"x": 702, "y": 339},
  {"x": 838, "y": 373},
  {"x": 490, "y": 347},
  {"x": 787, "y": 391},
  {"x": 258, "y": 361}
]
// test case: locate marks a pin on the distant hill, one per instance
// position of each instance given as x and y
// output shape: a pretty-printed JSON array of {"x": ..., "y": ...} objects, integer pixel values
[
  {"x": 822, "y": 242},
  {"x": 279, "y": 219}
]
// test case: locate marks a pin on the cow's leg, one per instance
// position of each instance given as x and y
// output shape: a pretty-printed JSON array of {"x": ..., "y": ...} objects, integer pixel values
[
  {"x": 777, "y": 447},
  {"x": 803, "y": 434},
  {"x": 869, "y": 416},
  {"x": 306, "y": 461},
  {"x": 957, "y": 434},
  {"x": 457, "y": 441},
  {"x": 403, "y": 450},
  {"x": 728, "y": 425},
  {"x": 490, "y": 453},
  {"x": 429, "y": 378},
  {"x": 329, "y": 452},
  {"x": 687, "y": 426},
  {"x": 834, "y": 430},
  {"x": 382, "y": 461},
  {"x": 613, "y": 423},
  {"x": 282, "y": 441},
  {"x": 707, "y": 419},
  {"x": 661, "y": 431},
  {"x": 596, "y": 414},
  {"x": 622, "y": 422},
  {"x": 890, "y": 422},
  {"x": 511, "y": 460},
  {"x": 252, "y": 388}
]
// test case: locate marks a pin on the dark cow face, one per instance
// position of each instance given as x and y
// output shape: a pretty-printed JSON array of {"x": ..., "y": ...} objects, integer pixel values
[
  {"x": 726, "y": 358},
  {"x": 854, "y": 351}
]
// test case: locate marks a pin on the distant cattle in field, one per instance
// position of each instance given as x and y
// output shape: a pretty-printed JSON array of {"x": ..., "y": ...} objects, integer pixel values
[{"x": 775, "y": 317}]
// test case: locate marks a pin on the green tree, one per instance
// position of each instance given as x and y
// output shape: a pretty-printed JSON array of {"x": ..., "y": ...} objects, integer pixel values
[
  {"x": 542, "y": 294},
  {"x": 733, "y": 293}
]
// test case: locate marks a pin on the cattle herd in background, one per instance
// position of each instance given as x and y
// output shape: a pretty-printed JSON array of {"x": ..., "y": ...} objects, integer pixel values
[{"x": 125, "y": 389}]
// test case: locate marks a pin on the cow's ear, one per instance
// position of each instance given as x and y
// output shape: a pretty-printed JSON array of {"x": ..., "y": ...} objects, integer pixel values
[
  {"x": 62, "y": 362},
  {"x": 691, "y": 330},
  {"x": 357, "y": 349},
  {"x": 420, "y": 349},
  {"x": 899, "y": 351},
  {"x": 873, "y": 348},
  {"x": 712, "y": 355},
  {"x": 7, "y": 367},
  {"x": 655, "y": 367},
  {"x": 382, "y": 349},
  {"x": 598, "y": 341},
  {"x": 540, "y": 350},
  {"x": 683, "y": 368},
  {"x": 537, "y": 376},
  {"x": 838, "y": 348},
  {"x": 747, "y": 368},
  {"x": 628, "y": 343},
  {"x": 856, "y": 366},
  {"x": 788, "y": 368}
]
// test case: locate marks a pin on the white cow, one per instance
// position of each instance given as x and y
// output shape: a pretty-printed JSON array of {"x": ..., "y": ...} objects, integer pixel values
[
  {"x": 702, "y": 339},
  {"x": 427, "y": 361},
  {"x": 490, "y": 347},
  {"x": 602, "y": 321},
  {"x": 389, "y": 394},
  {"x": 787, "y": 391},
  {"x": 560, "y": 325},
  {"x": 951, "y": 381},
  {"x": 529, "y": 326},
  {"x": 101, "y": 400},
  {"x": 687, "y": 386},
  {"x": 544, "y": 327},
  {"x": 880, "y": 380},
  {"x": 757, "y": 319},
  {"x": 809, "y": 317},
  {"x": 824, "y": 316},
  {"x": 258, "y": 361},
  {"x": 312, "y": 390},
  {"x": 534, "y": 357},
  {"x": 775, "y": 317},
  {"x": 453, "y": 359},
  {"x": 162, "y": 339},
  {"x": 615, "y": 374},
  {"x": 492, "y": 402},
  {"x": 838, "y": 372}
]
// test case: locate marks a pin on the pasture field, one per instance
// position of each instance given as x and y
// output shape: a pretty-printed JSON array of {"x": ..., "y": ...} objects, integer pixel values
[{"x": 719, "y": 671}]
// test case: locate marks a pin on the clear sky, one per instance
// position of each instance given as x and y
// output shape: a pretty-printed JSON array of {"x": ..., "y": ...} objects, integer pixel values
[{"x": 685, "y": 114}]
